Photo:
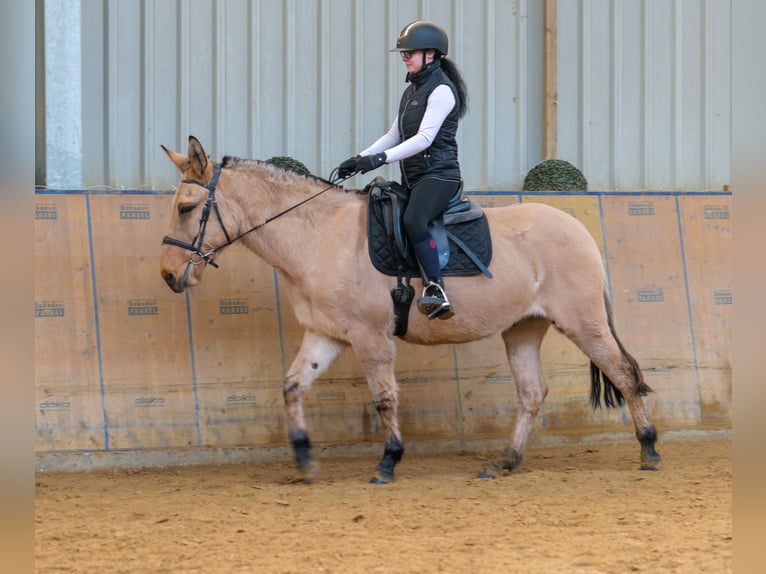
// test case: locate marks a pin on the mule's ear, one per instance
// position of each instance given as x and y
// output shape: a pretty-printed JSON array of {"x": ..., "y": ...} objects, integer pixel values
[
  {"x": 180, "y": 161},
  {"x": 197, "y": 157}
]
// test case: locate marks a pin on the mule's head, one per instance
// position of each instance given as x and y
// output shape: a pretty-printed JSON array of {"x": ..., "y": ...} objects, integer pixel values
[{"x": 195, "y": 229}]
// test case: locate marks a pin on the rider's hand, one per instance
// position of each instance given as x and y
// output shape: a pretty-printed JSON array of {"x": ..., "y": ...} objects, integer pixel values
[
  {"x": 348, "y": 167},
  {"x": 370, "y": 162}
]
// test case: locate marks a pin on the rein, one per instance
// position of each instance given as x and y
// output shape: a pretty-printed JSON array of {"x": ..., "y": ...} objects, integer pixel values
[{"x": 196, "y": 245}]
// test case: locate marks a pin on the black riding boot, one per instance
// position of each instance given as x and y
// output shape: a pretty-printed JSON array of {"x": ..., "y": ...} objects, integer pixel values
[{"x": 433, "y": 302}]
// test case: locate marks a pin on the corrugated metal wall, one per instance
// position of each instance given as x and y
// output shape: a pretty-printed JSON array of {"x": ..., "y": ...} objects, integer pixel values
[
  {"x": 643, "y": 86},
  {"x": 311, "y": 79},
  {"x": 645, "y": 92}
]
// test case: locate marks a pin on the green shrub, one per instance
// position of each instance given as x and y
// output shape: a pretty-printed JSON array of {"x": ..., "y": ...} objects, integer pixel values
[
  {"x": 555, "y": 175},
  {"x": 286, "y": 162}
]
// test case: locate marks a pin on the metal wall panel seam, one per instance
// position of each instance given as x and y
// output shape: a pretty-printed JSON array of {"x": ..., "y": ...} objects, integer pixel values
[
  {"x": 41, "y": 160},
  {"x": 101, "y": 384},
  {"x": 147, "y": 101},
  {"x": 521, "y": 87},
  {"x": 325, "y": 124},
  {"x": 617, "y": 97},
  {"x": 549, "y": 126},
  {"x": 111, "y": 91},
  {"x": 254, "y": 85},
  {"x": 585, "y": 71},
  {"x": 678, "y": 93},
  {"x": 392, "y": 67},
  {"x": 646, "y": 25},
  {"x": 95, "y": 147},
  {"x": 423, "y": 9},
  {"x": 723, "y": 94},
  {"x": 219, "y": 69},
  {"x": 289, "y": 61},
  {"x": 184, "y": 73},
  {"x": 707, "y": 88},
  {"x": 457, "y": 56},
  {"x": 490, "y": 62},
  {"x": 358, "y": 79}
]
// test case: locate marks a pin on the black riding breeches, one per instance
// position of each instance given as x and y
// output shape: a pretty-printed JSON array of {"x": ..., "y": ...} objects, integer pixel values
[{"x": 428, "y": 197}]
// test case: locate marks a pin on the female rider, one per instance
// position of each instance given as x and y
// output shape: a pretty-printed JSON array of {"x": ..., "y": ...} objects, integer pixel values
[{"x": 422, "y": 140}]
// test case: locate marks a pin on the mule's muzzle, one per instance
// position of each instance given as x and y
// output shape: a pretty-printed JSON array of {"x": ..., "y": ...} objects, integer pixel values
[{"x": 173, "y": 282}]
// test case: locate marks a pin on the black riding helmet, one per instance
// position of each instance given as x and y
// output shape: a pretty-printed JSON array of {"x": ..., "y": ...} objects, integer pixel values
[{"x": 422, "y": 35}]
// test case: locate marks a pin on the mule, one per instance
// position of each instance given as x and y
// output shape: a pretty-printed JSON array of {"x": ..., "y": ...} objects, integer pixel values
[{"x": 546, "y": 270}]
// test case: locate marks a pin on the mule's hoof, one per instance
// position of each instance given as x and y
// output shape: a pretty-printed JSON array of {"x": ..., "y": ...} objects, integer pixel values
[
  {"x": 378, "y": 479},
  {"x": 650, "y": 461},
  {"x": 309, "y": 472},
  {"x": 501, "y": 466},
  {"x": 491, "y": 470}
]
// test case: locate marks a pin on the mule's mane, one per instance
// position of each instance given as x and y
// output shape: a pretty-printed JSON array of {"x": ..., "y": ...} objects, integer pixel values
[{"x": 240, "y": 164}]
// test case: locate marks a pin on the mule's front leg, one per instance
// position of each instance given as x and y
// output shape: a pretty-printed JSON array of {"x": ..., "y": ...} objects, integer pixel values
[
  {"x": 316, "y": 354},
  {"x": 377, "y": 360},
  {"x": 386, "y": 403},
  {"x": 522, "y": 345}
]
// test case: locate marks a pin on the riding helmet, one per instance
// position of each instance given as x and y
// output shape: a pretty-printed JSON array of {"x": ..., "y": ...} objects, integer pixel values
[{"x": 422, "y": 35}]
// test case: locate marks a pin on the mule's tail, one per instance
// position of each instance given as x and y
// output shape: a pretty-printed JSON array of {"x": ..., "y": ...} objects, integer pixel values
[{"x": 612, "y": 395}]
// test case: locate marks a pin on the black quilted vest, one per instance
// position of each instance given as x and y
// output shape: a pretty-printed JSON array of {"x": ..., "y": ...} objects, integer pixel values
[{"x": 440, "y": 158}]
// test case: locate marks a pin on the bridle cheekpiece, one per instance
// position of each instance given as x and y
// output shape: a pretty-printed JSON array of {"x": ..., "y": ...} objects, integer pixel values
[{"x": 195, "y": 247}]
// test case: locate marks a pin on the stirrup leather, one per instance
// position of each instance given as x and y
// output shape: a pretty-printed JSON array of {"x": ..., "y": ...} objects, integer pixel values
[{"x": 434, "y": 303}]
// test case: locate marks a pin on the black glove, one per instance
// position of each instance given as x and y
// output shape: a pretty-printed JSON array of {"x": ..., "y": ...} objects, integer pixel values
[
  {"x": 370, "y": 162},
  {"x": 348, "y": 167}
]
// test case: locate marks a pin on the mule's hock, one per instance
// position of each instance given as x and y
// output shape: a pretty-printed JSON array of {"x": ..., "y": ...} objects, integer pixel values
[{"x": 129, "y": 373}]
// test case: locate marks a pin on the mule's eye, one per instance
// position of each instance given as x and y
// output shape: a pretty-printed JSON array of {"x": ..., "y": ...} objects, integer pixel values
[{"x": 186, "y": 208}]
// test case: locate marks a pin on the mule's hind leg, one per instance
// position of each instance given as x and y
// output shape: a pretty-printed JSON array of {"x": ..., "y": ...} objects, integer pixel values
[
  {"x": 522, "y": 344},
  {"x": 316, "y": 354},
  {"x": 622, "y": 372},
  {"x": 376, "y": 355},
  {"x": 599, "y": 341}
]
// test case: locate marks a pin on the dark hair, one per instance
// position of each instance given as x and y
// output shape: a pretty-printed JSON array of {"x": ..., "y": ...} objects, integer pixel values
[{"x": 450, "y": 68}]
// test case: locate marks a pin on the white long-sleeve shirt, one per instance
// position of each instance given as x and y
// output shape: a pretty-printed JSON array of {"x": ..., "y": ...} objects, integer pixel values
[{"x": 439, "y": 105}]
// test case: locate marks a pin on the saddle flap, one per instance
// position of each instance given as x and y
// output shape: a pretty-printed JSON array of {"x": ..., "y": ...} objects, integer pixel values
[
  {"x": 388, "y": 199},
  {"x": 462, "y": 237}
]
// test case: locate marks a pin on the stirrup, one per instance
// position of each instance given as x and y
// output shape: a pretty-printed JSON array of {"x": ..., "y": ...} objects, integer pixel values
[{"x": 434, "y": 303}]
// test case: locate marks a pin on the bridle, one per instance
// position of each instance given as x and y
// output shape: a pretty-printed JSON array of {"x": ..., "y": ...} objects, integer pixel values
[{"x": 195, "y": 247}]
